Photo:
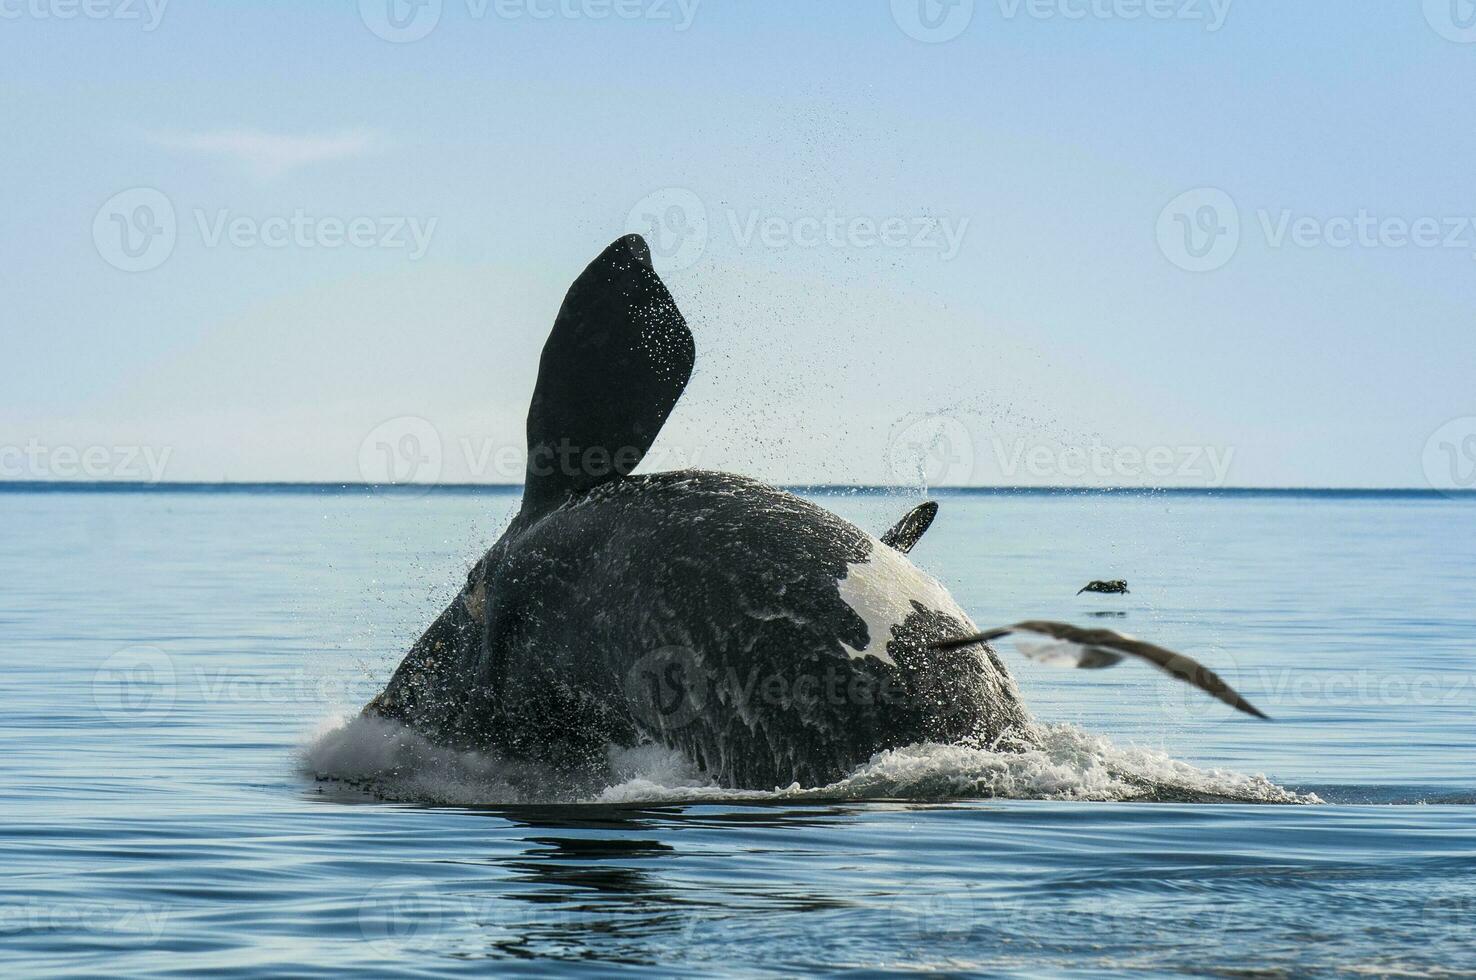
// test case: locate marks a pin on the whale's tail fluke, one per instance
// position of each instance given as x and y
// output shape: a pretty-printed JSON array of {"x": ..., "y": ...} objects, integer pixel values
[
  {"x": 612, "y": 370},
  {"x": 1072, "y": 646}
]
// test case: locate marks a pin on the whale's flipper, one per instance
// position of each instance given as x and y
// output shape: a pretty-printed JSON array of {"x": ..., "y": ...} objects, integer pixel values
[
  {"x": 612, "y": 370},
  {"x": 910, "y": 529}
]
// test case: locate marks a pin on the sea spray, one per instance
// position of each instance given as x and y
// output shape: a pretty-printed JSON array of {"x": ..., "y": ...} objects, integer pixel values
[{"x": 391, "y": 762}]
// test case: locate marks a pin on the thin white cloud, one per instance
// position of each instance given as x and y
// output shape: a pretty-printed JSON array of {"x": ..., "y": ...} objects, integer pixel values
[{"x": 266, "y": 155}]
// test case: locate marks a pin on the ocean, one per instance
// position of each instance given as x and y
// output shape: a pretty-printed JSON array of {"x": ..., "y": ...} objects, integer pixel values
[{"x": 184, "y": 791}]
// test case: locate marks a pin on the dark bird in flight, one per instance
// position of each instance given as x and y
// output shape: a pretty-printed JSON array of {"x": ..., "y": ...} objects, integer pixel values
[{"x": 1115, "y": 587}]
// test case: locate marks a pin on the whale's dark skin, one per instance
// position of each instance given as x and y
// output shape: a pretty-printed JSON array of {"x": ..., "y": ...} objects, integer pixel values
[{"x": 696, "y": 609}]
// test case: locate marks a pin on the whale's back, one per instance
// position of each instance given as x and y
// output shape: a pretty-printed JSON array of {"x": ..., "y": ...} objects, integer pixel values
[{"x": 769, "y": 638}]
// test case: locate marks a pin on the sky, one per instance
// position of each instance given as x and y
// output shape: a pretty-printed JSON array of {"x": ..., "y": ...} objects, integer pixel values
[{"x": 1000, "y": 242}]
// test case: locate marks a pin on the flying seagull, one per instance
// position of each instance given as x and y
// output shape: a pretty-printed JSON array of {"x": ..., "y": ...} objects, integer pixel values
[
  {"x": 1073, "y": 646},
  {"x": 1115, "y": 587}
]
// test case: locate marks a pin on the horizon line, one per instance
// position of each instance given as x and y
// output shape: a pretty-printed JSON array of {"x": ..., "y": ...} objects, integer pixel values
[{"x": 421, "y": 489}]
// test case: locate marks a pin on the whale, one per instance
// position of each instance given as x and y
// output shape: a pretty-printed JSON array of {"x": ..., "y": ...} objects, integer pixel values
[{"x": 768, "y": 640}]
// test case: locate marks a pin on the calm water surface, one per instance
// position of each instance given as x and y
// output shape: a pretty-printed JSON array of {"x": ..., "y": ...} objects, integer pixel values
[{"x": 174, "y": 660}]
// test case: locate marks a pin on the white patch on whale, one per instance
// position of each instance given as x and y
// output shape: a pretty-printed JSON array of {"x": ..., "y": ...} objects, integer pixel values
[{"x": 882, "y": 589}]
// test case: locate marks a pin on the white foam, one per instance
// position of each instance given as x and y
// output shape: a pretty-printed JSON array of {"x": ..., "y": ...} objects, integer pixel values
[{"x": 392, "y": 762}]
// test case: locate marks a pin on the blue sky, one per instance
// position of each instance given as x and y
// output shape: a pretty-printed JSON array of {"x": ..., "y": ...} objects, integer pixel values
[{"x": 1041, "y": 242}]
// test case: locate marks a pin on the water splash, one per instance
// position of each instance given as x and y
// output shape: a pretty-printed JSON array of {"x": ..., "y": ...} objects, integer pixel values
[{"x": 388, "y": 761}]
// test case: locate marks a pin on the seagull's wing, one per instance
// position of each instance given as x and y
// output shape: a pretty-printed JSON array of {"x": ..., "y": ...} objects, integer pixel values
[
  {"x": 1059, "y": 653},
  {"x": 1104, "y": 648},
  {"x": 910, "y": 529}
]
